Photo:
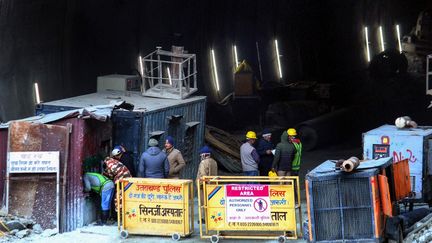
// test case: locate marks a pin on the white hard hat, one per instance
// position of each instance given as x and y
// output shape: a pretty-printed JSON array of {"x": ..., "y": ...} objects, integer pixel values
[{"x": 115, "y": 152}]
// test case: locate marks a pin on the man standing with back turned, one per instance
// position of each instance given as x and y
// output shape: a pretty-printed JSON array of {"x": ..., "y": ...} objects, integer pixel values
[{"x": 249, "y": 156}]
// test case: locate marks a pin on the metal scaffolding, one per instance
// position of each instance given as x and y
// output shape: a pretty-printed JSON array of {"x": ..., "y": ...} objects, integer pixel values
[{"x": 168, "y": 74}]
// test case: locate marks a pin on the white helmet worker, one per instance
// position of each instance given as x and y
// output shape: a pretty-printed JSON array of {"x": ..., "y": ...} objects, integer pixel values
[{"x": 116, "y": 151}]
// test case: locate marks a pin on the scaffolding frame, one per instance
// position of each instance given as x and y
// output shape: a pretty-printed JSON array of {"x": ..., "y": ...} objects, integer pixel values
[{"x": 169, "y": 74}]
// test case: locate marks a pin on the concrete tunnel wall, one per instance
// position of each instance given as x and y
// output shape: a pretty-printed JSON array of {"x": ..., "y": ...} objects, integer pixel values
[{"x": 64, "y": 45}]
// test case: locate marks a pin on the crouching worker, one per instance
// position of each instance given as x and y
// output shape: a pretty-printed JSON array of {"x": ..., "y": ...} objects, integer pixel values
[
  {"x": 207, "y": 167},
  {"x": 104, "y": 187}
]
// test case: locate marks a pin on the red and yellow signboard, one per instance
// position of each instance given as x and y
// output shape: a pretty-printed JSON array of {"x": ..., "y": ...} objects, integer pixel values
[
  {"x": 157, "y": 207},
  {"x": 251, "y": 207}
]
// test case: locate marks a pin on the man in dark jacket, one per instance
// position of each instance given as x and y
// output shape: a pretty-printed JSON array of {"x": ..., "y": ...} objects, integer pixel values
[
  {"x": 153, "y": 162},
  {"x": 264, "y": 149},
  {"x": 284, "y": 155},
  {"x": 119, "y": 152}
]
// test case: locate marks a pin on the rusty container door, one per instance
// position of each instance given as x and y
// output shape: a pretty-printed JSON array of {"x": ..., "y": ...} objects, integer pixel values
[
  {"x": 401, "y": 174},
  {"x": 89, "y": 139},
  {"x": 34, "y": 195}
]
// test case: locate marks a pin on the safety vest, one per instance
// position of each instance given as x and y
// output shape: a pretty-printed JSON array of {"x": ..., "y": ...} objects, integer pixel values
[
  {"x": 297, "y": 157},
  {"x": 102, "y": 181}
]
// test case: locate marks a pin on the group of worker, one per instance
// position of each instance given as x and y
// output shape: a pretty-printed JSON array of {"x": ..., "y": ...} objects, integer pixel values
[
  {"x": 264, "y": 159},
  {"x": 153, "y": 163}
]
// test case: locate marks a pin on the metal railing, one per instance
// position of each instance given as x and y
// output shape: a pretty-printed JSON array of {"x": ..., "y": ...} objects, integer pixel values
[{"x": 169, "y": 74}]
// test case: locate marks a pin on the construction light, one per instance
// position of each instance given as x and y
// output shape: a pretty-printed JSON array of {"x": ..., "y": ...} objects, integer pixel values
[
  {"x": 367, "y": 43},
  {"x": 236, "y": 62},
  {"x": 278, "y": 58},
  {"x": 215, "y": 70},
  {"x": 169, "y": 76},
  {"x": 385, "y": 140},
  {"x": 398, "y": 37},
  {"x": 36, "y": 87},
  {"x": 381, "y": 38},
  {"x": 141, "y": 66}
]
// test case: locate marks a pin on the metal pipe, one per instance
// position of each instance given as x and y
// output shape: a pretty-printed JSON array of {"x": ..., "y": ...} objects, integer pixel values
[{"x": 350, "y": 164}]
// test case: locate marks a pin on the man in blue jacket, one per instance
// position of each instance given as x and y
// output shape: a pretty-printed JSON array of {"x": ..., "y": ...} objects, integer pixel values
[{"x": 153, "y": 162}]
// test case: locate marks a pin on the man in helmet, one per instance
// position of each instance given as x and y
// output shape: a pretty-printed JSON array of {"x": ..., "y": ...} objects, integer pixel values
[
  {"x": 153, "y": 162},
  {"x": 283, "y": 158},
  {"x": 249, "y": 156},
  {"x": 119, "y": 152},
  {"x": 175, "y": 158},
  {"x": 115, "y": 170},
  {"x": 292, "y": 136},
  {"x": 104, "y": 187}
]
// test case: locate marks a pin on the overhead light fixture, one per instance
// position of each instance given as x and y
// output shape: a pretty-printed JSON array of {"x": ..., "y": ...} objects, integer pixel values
[
  {"x": 215, "y": 70},
  {"x": 169, "y": 75},
  {"x": 367, "y": 43},
  {"x": 236, "y": 62},
  {"x": 278, "y": 58},
  {"x": 36, "y": 87},
  {"x": 399, "y": 38},
  {"x": 141, "y": 66},
  {"x": 381, "y": 38}
]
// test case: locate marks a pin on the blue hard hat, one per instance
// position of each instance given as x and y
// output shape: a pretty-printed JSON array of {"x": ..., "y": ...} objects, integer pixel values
[{"x": 205, "y": 150}]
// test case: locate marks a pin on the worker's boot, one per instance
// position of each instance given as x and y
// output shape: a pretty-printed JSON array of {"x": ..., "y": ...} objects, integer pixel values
[{"x": 104, "y": 217}]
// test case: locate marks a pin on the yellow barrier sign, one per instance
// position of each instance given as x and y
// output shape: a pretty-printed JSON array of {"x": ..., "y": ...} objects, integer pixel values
[
  {"x": 251, "y": 207},
  {"x": 157, "y": 207}
]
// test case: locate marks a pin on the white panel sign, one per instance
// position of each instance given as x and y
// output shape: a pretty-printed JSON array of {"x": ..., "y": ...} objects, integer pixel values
[{"x": 33, "y": 162}]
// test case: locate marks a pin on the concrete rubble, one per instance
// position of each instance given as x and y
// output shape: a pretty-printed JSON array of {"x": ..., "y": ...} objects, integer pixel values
[{"x": 14, "y": 228}]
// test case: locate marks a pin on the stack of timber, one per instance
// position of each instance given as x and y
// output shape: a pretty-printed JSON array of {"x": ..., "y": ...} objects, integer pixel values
[{"x": 226, "y": 149}]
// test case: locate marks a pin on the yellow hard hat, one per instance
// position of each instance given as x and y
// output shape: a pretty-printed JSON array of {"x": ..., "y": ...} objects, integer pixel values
[
  {"x": 292, "y": 132},
  {"x": 251, "y": 135}
]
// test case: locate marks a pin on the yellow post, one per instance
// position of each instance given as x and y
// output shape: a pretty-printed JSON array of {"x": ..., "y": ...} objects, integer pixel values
[{"x": 118, "y": 205}]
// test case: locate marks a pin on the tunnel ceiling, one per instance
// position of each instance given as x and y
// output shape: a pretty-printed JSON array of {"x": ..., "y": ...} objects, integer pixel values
[{"x": 65, "y": 45}]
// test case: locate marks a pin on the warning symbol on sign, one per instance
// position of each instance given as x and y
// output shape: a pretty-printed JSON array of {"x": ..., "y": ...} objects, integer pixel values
[{"x": 260, "y": 205}]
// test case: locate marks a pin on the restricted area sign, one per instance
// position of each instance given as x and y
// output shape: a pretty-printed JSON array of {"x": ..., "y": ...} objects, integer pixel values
[
  {"x": 248, "y": 203},
  {"x": 251, "y": 207}
]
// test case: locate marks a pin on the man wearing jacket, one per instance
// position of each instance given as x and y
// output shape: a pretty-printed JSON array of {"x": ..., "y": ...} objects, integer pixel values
[
  {"x": 264, "y": 149},
  {"x": 175, "y": 159},
  {"x": 292, "y": 137},
  {"x": 104, "y": 187},
  {"x": 284, "y": 155},
  {"x": 153, "y": 162},
  {"x": 119, "y": 152},
  {"x": 249, "y": 156}
]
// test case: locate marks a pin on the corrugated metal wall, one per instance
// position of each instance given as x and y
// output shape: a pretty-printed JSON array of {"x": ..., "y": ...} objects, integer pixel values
[
  {"x": 3, "y": 158},
  {"x": 86, "y": 140},
  {"x": 159, "y": 121}
]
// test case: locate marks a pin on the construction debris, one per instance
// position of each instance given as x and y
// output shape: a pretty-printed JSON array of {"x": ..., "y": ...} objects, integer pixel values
[
  {"x": 13, "y": 228},
  {"x": 225, "y": 148},
  {"x": 422, "y": 232}
]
